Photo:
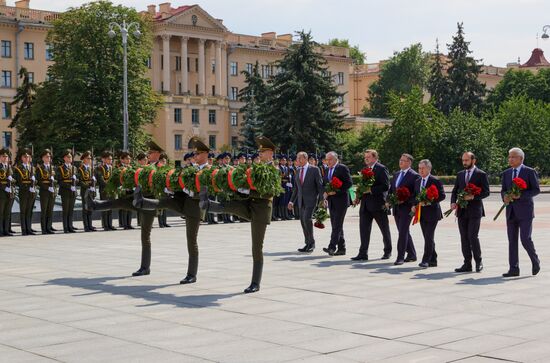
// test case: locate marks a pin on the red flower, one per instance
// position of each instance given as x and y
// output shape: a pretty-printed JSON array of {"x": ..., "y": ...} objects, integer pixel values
[
  {"x": 472, "y": 189},
  {"x": 432, "y": 193},
  {"x": 403, "y": 194},
  {"x": 520, "y": 183},
  {"x": 367, "y": 173},
  {"x": 336, "y": 183},
  {"x": 319, "y": 225}
]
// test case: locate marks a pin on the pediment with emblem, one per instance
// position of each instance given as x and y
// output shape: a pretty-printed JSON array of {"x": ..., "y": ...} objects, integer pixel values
[{"x": 195, "y": 16}]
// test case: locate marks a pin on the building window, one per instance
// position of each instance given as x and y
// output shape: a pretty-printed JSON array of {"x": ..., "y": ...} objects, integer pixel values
[
  {"x": 31, "y": 77},
  {"x": 233, "y": 68},
  {"x": 161, "y": 61},
  {"x": 49, "y": 53},
  {"x": 234, "y": 93},
  {"x": 340, "y": 101},
  {"x": 195, "y": 116},
  {"x": 196, "y": 89},
  {"x": 212, "y": 141},
  {"x": 233, "y": 119},
  {"x": 213, "y": 66},
  {"x": 213, "y": 90},
  {"x": 197, "y": 65},
  {"x": 188, "y": 64},
  {"x": 234, "y": 142},
  {"x": 6, "y": 138},
  {"x": 177, "y": 142},
  {"x": 6, "y": 49},
  {"x": 6, "y": 79},
  {"x": 179, "y": 88},
  {"x": 177, "y": 115},
  {"x": 6, "y": 110},
  {"x": 249, "y": 68},
  {"x": 29, "y": 50},
  {"x": 212, "y": 117},
  {"x": 178, "y": 63},
  {"x": 340, "y": 78}
]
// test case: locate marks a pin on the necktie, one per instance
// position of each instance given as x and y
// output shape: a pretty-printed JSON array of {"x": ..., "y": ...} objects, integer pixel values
[
  {"x": 423, "y": 183},
  {"x": 515, "y": 173},
  {"x": 330, "y": 173},
  {"x": 400, "y": 178},
  {"x": 302, "y": 175},
  {"x": 467, "y": 176}
]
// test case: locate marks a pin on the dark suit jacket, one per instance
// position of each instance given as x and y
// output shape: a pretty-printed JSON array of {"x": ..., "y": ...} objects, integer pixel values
[
  {"x": 375, "y": 200},
  {"x": 432, "y": 212},
  {"x": 341, "y": 198},
  {"x": 408, "y": 181},
  {"x": 523, "y": 208},
  {"x": 310, "y": 193},
  {"x": 475, "y": 206}
]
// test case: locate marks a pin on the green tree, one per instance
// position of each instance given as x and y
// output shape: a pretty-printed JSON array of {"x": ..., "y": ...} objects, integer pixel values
[
  {"x": 465, "y": 91},
  {"x": 354, "y": 142},
  {"x": 438, "y": 84},
  {"x": 521, "y": 83},
  {"x": 399, "y": 75},
  {"x": 301, "y": 107},
  {"x": 81, "y": 103},
  {"x": 354, "y": 52},
  {"x": 253, "y": 95},
  {"x": 24, "y": 98}
]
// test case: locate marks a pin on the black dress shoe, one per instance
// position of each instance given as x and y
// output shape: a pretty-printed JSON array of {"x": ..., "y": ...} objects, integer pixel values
[
  {"x": 424, "y": 264},
  {"x": 399, "y": 262},
  {"x": 54, "y": 230},
  {"x": 12, "y": 231},
  {"x": 93, "y": 229},
  {"x": 50, "y": 232},
  {"x": 8, "y": 234},
  {"x": 130, "y": 227},
  {"x": 386, "y": 256},
  {"x": 252, "y": 288},
  {"x": 304, "y": 249},
  {"x": 410, "y": 259},
  {"x": 432, "y": 264},
  {"x": 24, "y": 233},
  {"x": 112, "y": 228},
  {"x": 536, "y": 269},
  {"x": 107, "y": 229},
  {"x": 464, "y": 268},
  {"x": 31, "y": 233},
  {"x": 511, "y": 273},
  {"x": 360, "y": 258},
  {"x": 72, "y": 230},
  {"x": 479, "y": 266},
  {"x": 33, "y": 230},
  {"x": 310, "y": 248},
  {"x": 75, "y": 229},
  {"x": 142, "y": 271},
  {"x": 87, "y": 230},
  {"x": 188, "y": 280},
  {"x": 340, "y": 252},
  {"x": 330, "y": 251}
]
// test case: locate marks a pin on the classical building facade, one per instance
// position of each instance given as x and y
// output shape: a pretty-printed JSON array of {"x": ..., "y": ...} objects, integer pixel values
[{"x": 196, "y": 63}]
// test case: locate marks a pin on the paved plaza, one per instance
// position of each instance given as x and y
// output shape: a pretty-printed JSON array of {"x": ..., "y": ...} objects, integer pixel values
[{"x": 69, "y": 298}]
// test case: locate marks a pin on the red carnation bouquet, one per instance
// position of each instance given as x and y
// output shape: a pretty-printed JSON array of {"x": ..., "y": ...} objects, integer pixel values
[
  {"x": 401, "y": 195},
  {"x": 518, "y": 185},
  {"x": 365, "y": 183},
  {"x": 426, "y": 197},
  {"x": 461, "y": 202},
  {"x": 334, "y": 185}
]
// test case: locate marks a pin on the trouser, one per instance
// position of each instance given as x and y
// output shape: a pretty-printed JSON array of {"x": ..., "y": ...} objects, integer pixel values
[
  {"x": 47, "y": 202},
  {"x": 337, "y": 217},
  {"x": 428, "y": 231},
  {"x": 469, "y": 239},
  {"x": 405, "y": 242},
  {"x": 68, "y": 199},
  {"x": 107, "y": 215},
  {"x": 26, "y": 204},
  {"x": 5, "y": 212},
  {"x": 306, "y": 214},
  {"x": 520, "y": 229},
  {"x": 365, "y": 228}
]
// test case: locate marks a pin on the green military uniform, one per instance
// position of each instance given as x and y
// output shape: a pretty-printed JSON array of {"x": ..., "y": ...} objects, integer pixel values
[
  {"x": 86, "y": 181},
  {"x": 45, "y": 177},
  {"x": 25, "y": 180},
  {"x": 67, "y": 180},
  {"x": 103, "y": 174},
  {"x": 6, "y": 196}
]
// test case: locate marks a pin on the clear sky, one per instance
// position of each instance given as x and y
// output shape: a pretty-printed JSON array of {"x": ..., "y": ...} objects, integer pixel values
[{"x": 500, "y": 31}]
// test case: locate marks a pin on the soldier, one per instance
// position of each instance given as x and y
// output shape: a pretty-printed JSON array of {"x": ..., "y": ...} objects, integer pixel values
[
  {"x": 86, "y": 181},
  {"x": 125, "y": 216},
  {"x": 163, "y": 161},
  {"x": 45, "y": 175},
  {"x": 25, "y": 180},
  {"x": 256, "y": 209},
  {"x": 103, "y": 174},
  {"x": 6, "y": 192},
  {"x": 67, "y": 180},
  {"x": 142, "y": 159}
]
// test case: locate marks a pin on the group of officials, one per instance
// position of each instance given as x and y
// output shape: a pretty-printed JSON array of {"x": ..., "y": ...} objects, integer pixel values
[{"x": 374, "y": 206}]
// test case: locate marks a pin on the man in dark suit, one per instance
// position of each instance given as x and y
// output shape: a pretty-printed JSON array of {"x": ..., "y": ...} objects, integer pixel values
[
  {"x": 430, "y": 214},
  {"x": 372, "y": 208},
  {"x": 520, "y": 210},
  {"x": 469, "y": 218},
  {"x": 338, "y": 203},
  {"x": 307, "y": 194},
  {"x": 401, "y": 212}
]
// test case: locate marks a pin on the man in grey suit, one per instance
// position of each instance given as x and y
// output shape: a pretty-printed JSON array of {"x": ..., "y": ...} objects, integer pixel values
[{"x": 307, "y": 194}]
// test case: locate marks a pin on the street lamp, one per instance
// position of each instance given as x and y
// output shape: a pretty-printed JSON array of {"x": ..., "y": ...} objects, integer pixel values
[
  {"x": 545, "y": 34},
  {"x": 124, "y": 29}
]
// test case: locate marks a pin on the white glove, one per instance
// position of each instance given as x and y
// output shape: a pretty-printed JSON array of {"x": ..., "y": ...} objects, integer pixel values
[
  {"x": 73, "y": 189},
  {"x": 7, "y": 189},
  {"x": 289, "y": 185},
  {"x": 52, "y": 178},
  {"x": 168, "y": 191},
  {"x": 244, "y": 191},
  {"x": 10, "y": 178},
  {"x": 188, "y": 192},
  {"x": 51, "y": 190},
  {"x": 33, "y": 178},
  {"x": 74, "y": 177},
  {"x": 93, "y": 178},
  {"x": 32, "y": 190},
  {"x": 92, "y": 189}
]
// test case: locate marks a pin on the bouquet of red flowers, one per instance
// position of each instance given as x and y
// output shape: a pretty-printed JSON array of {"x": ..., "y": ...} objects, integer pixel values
[
  {"x": 401, "y": 195},
  {"x": 470, "y": 189},
  {"x": 365, "y": 183},
  {"x": 334, "y": 185},
  {"x": 426, "y": 197},
  {"x": 518, "y": 185},
  {"x": 320, "y": 216}
]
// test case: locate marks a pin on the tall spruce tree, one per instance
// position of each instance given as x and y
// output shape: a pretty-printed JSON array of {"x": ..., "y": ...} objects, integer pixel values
[
  {"x": 438, "y": 85},
  {"x": 465, "y": 91},
  {"x": 24, "y": 97},
  {"x": 301, "y": 107},
  {"x": 253, "y": 95}
]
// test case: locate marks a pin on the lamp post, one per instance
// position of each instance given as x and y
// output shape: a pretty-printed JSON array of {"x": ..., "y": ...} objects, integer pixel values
[
  {"x": 545, "y": 29},
  {"x": 124, "y": 29}
]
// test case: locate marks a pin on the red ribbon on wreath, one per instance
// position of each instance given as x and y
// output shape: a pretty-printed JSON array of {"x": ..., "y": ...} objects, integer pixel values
[
  {"x": 121, "y": 178},
  {"x": 136, "y": 176},
  {"x": 214, "y": 172},
  {"x": 151, "y": 178},
  {"x": 168, "y": 175},
  {"x": 249, "y": 179},
  {"x": 230, "y": 180},
  {"x": 180, "y": 181},
  {"x": 197, "y": 181}
]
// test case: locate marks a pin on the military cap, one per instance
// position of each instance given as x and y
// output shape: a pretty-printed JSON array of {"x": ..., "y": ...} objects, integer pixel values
[
  {"x": 123, "y": 154},
  {"x": 42, "y": 154},
  {"x": 106, "y": 154},
  {"x": 141, "y": 156},
  {"x": 22, "y": 152},
  {"x": 86, "y": 154},
  {"x": 163, "y": 156},
  {"x": 67, "y": 152},
  {"x": 265, "y": 144},
  {"x": 4, "y": 151},
  {"x": 220, "y": 156},
  {"x": 197, "y": 145},
  {"x": 153, "y": 146},
  {"x": 254, "y": 156}
]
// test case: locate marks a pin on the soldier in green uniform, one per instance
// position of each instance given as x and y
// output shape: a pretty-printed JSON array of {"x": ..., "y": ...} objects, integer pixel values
[
  {"x": 6, "y": 192},
  {"x": 186, "y": 204},
  {"x": 45, "y": 177},
  {"x": 125, "y": 216},
  {"x": 86, "y": 180},
  {"x": 25, "y": 180},
  {"x": 161, "y": 214},
  {"x": 103, "y": 173},
  {"x": 256, "y": 209},
  {"x": 67, "y": 181}
]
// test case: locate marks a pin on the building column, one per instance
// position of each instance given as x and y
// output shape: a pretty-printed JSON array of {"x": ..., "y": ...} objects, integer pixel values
[
  {"x": 166, "y": 63},
  {"x": 223, "y": 70},
  {"x": 202, "y": 75},
  {"x": 218, "y": 68},
  {"x": 184, "y": 74}
]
